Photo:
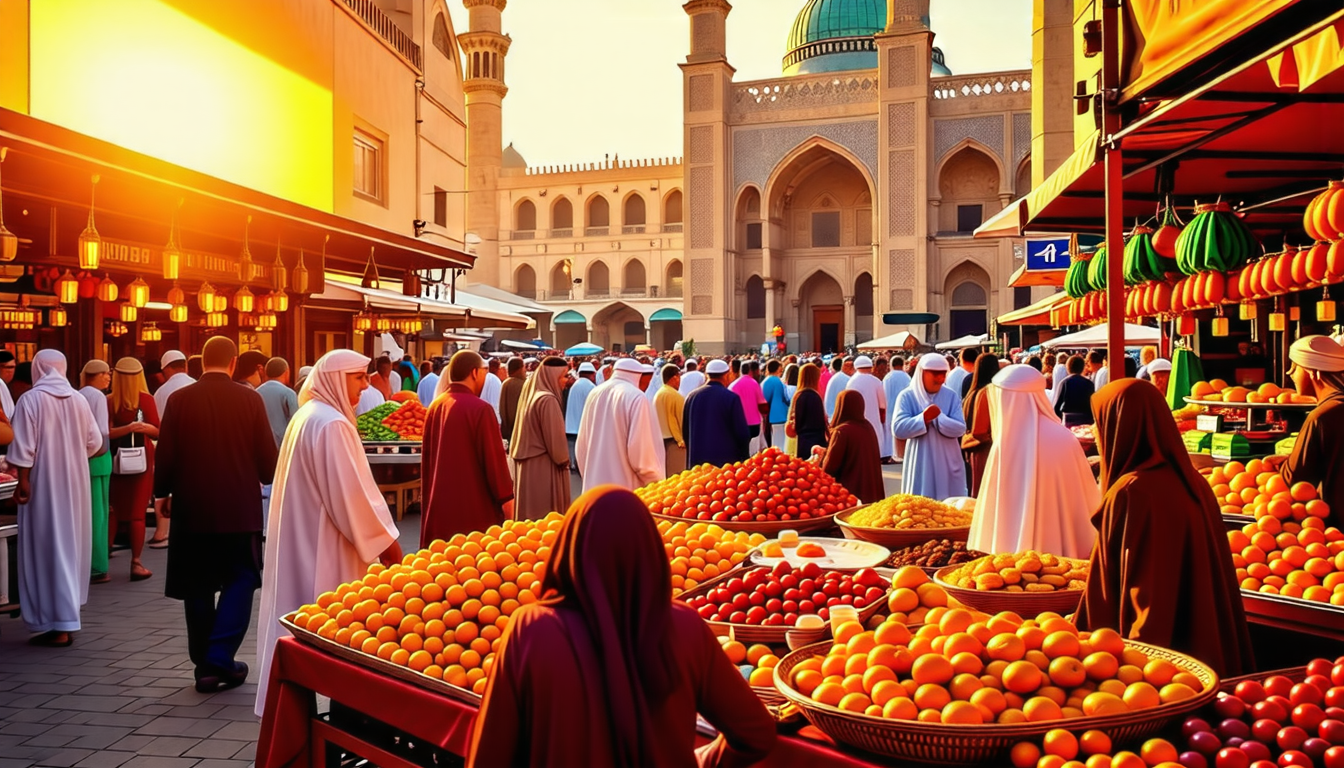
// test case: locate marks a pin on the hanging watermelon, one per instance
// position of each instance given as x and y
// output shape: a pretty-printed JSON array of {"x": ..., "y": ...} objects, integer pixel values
[
  {"x": 1215, "y": 240},
  {"x": 1143, "y": 263},
  {"x": 1075, "y": 280},
  {"x": 1096, "y": 270}
]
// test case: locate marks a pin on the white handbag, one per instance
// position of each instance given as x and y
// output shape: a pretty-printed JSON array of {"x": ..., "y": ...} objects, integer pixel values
[{"x": 132, "y": 460}]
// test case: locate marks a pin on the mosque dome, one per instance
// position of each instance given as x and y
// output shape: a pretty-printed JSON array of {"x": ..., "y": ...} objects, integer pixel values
[
  {"x": 837, "y": 36},
  {"x": 511, "y": 158}
]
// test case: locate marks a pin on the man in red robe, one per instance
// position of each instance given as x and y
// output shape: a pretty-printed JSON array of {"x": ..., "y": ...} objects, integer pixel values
[{"x": 465, "y": 477}]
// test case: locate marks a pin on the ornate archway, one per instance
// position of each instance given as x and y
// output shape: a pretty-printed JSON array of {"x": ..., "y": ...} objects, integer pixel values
[{"x": 821, "y": 314}]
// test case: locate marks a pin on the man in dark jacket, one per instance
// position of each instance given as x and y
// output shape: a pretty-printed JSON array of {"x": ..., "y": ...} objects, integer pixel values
[
  {"x": 713, "y": 424},
  {"x": 215, "y": 452}
]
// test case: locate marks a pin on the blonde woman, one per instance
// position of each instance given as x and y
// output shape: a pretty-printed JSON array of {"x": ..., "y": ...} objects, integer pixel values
[{"x": 134, "y": 424}]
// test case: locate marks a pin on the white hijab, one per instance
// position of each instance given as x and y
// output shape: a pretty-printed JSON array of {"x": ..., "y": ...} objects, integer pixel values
[
  {"x": 326, "y": 382},
  {"x": 929, "y": 362},
  {"x": 49, "y": 374}
]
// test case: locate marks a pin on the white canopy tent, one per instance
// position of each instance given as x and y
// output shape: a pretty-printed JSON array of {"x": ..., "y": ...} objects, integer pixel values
[
  {"x": 902, "y": 340},
  {"x": 965, "y": 342},
  {"x": 1095, "y": 337}
]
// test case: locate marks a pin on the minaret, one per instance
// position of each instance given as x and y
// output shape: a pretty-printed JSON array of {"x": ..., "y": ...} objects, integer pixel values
[
  {"x": 1052, "y": 78},
  {"x": 485, "y": 48}
]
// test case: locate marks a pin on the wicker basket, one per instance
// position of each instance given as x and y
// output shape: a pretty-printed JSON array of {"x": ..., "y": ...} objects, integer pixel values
[
  {"x": 1296, "y": 674},
  {"x": 938, "y": 744},
  {"x": 772, "y": 635},
  {"x": 1025, "y": 604},
  {"x": 767, "y": 528},
  {"x": 893, "y": 538}
]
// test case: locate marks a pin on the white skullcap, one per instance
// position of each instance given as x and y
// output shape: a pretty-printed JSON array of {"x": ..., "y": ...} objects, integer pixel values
[
  {"x": 1159, "y": 365},
  {"x": 170, "y": 357},
  {"x": 863, "y": 361},
  {"x": 1318, "y": 353},
  {"x": 629, "y": 365},
  {"x": 716, "y": 367},
  {"x": 587, "y": 368},
  {"x": 646, "y": 368}
]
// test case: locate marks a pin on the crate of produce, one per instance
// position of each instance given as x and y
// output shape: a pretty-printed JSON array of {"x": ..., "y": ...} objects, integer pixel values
[
  {"x": 1027, "y": 583},
  {"x": 904, "y": 520}
]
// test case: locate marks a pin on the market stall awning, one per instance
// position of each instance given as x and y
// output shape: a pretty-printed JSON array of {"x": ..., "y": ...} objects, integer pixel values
[
  {"x": 393, "y": 302},
  {"x": 584, "y": 349},
  {"x": 1027, "y": 278},
  {"x": 570, "y": 317},
  {"x": 965, "y": 342},
  {"x": 902, "y": 340},
  {"x": 665, "y": 314},
  {"x": 1036, "y": 314},
  {"x": 1028, "y": 212},
  {"x": 1095, "y": 337},
  {"x": 524, "y": 346}
]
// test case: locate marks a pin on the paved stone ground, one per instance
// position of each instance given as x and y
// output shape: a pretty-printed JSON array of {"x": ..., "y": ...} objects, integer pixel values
[{"x": 122, "y": 696}]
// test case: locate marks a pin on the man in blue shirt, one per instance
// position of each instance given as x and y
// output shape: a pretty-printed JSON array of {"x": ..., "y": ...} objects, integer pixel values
[
  {"x": 777, "y": 397},
  {"x": 714, "y": 425}
]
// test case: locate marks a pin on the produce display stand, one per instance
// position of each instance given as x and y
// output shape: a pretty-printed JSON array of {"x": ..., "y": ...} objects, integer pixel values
[
  {"x": 1294, "y": 614},
  {"x": 386, "y": 458}
]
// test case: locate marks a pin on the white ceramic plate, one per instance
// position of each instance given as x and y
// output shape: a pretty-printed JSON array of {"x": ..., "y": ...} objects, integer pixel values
[
  {"x": 841, "y": 554},
  {"x": 961, "y": 503}
]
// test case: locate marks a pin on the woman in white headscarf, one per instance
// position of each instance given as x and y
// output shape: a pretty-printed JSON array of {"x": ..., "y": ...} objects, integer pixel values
[
  {"x": 538, "y": 446},
  {"x": 1038, "y": 491},
  {"x": 328, "y": 519},
  {"x": 54, "y": 437},
  {"x": 930, "y": 420}
]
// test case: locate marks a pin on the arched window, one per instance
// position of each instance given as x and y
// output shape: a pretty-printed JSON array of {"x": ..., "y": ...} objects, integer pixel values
[
  {"x": 442, "y": 40},
  {"x": 969, "y": 294},
  {"x": 599, "y": 216},
  {"x": 673, "y": 287},
  {"x": 863, "y": 295},
  {"x": 672, "y": 212},
  {"x": 634, "y": 282},
  {"x": 562, "y": 218},
  {"x": 598, "y": 284},
  {"x": 525, "y": 282},
  {"x": 560, "y": 282},
  {"x": 633, "y": 215},
  {"x": 755, "y": 298},
  {"x": 525, "y": 218}
]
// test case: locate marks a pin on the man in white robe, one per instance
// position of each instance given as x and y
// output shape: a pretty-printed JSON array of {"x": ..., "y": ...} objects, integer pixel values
[
  {"x": 370, "y": 399},
  {"x": 616, "y": 435},
  {"x": 574, "y": 407},
  {"x": 494, "y": 387},
  {"x": 874, "y": 397},
  {"x": 174, "y": 366},
  {"x": 428, "y": 383},
  {"x": 54, "y": 438},
  {"x": 895, "y": 382},
  {"x": 328, "y": 519},
  {"x": 692, "y": 379},
  {"x": 839, "y": 380},
  {"x": 929, "y": 418},
  {"x": 1038, "y": 491}
]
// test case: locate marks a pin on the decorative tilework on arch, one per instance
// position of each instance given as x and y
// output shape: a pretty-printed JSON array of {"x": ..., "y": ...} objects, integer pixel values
[
  {"x": 1021, "y": 136},
  {"x": 756, "y": 151},
  {"x": 986, "y": 129}
]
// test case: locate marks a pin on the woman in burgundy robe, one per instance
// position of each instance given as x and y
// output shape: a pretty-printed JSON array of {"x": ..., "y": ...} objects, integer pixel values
[
  {"x": 606, "y": 670},
  {"x": 853, "y": 456},
  {"x": 1161, "y": 570}
]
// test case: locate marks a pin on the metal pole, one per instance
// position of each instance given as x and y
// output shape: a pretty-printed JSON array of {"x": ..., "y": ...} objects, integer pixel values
[{"x": 1115, "y": 190}]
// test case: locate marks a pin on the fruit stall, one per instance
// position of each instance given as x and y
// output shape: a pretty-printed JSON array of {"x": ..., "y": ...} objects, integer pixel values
[{"x": 393, "y": 434}]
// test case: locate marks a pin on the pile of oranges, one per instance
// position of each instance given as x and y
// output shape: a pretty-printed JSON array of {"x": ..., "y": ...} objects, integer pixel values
[
  {"x": 1255, "y": 489},
  {"x": 1218, "y": 390},
  {"x": 912, "y": 596},
  {"x": 440, "y": 611},
  {"x": 966, "y": 667},
  {"x": 1292, "y": 559},
  {"x": 1062, "y": 749},
  {"x": 702, "y": 551}
]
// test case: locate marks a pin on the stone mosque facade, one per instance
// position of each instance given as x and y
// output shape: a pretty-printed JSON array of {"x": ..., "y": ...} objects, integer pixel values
[{"x": 842, "y": 191}]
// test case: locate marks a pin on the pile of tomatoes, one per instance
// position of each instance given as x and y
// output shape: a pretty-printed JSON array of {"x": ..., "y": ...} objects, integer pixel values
[
  {"x": 408, "y": 421},
  {"x": 768, "y": 487},
  {"x": 776, "y": 597}
]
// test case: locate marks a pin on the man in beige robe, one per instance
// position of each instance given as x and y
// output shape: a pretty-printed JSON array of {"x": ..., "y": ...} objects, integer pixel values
[{"x": 539, "y": 447}]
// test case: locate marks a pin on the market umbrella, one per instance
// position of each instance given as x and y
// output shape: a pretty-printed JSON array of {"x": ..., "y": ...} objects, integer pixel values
[
  {"x": 965, "y": 342},
  {"x": 580, "y": 350},
  {"x": 901, "y": 340},
  {"x": 1095, "y": 337}
]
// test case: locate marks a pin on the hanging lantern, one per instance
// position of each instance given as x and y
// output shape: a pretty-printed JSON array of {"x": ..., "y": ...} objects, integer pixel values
[
  {"x": 280, "y": 302},
  {"x": 178, "y": 313},
  {"x": 1294, "y": 314},
  {"x": 245, "y": 265},
  {"x": 246, "y": 320},
  {"x": 382, "y": 324},
  {"x": 363, "y": 322},
  {"x": 1248, "y": 311},
  {"x": 108, "y": 290},
  {"x": 89, "y": 241},
  {"x": 1186, "y": 326},
  {"x": 370, "y": 273},
  {"x": 116, "y": 329},
  {"x": 56, "y": 317},
  {"x": 220, "y": 303},
  {"x": 216, "y": 320},
  {"x": 176, "y": 295},
  {"x": 1220, "y": 326},
  {"x": 205, "y": 297},
  {"x": 1325, "y": 311},
  {"x": 9, "y": 242},
  {"x": 267, "y": 321},
  {"x": 301, "y": 272},
  {"x": 88, "y": 285},
  {"x": 150, "y": 333},
  {"x": 279, "y": 278},
  {"x": 67, "y": 289},
  {"x": 172, "y": 253},
  {"x": 243, "y": 300},
  {"x": 129, "y": 312},
  {"x": 1277, "y": 321},
  {"x": 137, "y": 293}
]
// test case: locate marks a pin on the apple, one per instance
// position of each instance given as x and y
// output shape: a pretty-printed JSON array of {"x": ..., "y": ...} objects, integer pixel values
[
  {"x": 1257, "y": 751},
  {"x": 1231, "y": 728},
  {"x": 1334, "y": 713},
  {"x": 1308, "y": 717},
  {"x": 1335, "y": 696},
  {"x": 1195, "y": 725},
  {"x": 781, "y": 569},
  {"x": 1264, "y": 764},
  {"x": 1320, "y": 681},
  {"x": 1337, "y": 674},
  {"x": 774, "y": 605},
  {"x": 1270, "y": 710},
  {"x": 868, "y": 577},
  {"x": 810, "y": 570},
  {"x": 1320, "y": 667},
  {"x": 1315, "y": 748},
  {"x": 1332, "y": 731},
  {"x": 1229, "y": 706},
  {"x": 1250, "y": 691},
  {"x": 1192, "y": 760},
  {"x": 1232, "y": 757},
  {"x": 1291, "y": 737},
  {"x": 1205, "y": 742}
]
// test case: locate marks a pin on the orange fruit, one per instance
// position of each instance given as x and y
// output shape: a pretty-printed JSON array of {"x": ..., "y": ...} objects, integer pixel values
[
  {"x": 962, "y": 713},
  {"x": 964, "y": 686},
  {"x": 1155, "y": 751},
  {"x": 1051, "y": 761},
  {"x": 1024, "y": 755},
  {"x": 1101, "y": 666},
  {"x": 1176, "y": 692},
  {"x": 910, "y": 577},
  {"x": 932, "y": 668},
  {"x": 931, "y": 696},
  {"x": 1098, "y": 761},
  {"x": 1159, "y": 672},
  {"x": 1067, "y": 672},
  {"x": 900, "y": 708},
  {"x": 1127, "y": 760},
  {"x": 990, "y": 700},
  {"x": 1040, "y": 709},
  {"x": 1022, "y": 677},
  {"x": 1107, "y": 640},
  {"x": 829, "y": 694},
  {"x": 884, "y": 692},
  {"x": 1061, "y": 643},
  {"x": 1094, "y": 743},
  {"x": 854, "y": 702},
  {"x": 1006, "y": 647},
  {"x": 892, "y": 633},
  {"x": 1061, "y": 742}
]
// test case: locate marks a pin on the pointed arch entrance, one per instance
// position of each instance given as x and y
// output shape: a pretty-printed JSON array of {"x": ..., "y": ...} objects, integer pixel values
[{"x": 822, "y": 314}]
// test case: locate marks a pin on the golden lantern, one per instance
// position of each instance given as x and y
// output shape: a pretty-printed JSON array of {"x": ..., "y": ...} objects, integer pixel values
[
  {"x": 1220, "y": 326},
  {"x": 108, "y": 290},
  {"x": 370, "y": 273},
  {"x": 9, "y": 242},
  {"x": 363, "y": 322},
  {"x": 279, "y": 278},
  {"x": 129, "y": 312},
  {"x": 178, "y": 313},
  {"x": 176, "y": 295},
  {"x": 67, "y": 289},
  {"x": 205, "y": 297},
  {"x": 280, "y": 302},
  {"x": 1277, "y": 321},
  {"x": 150, "y": 332},
  {"x": 216, "y": 320},
  {"x": 1325, "y": 308},
  {"x": 1294, "y": 314},
  {"x": 266, "y": 321},
  {"x": 301, "y": 272},
  {"x": 243, "y": 300},
  {"x": 1248, "y": 311},
  {"x": 246, "y": 319},
  {"x": 221, "y": 303},
  {"x": 89, "y": 241},
  {"x": 382, "y": 324},
  {"x": 137, "y": 293},
  {"x": 172, "y": 253},
  {"x": 56, "y": 317},
  {"x": 246, "y": 268},
  {"x": 116, "y": 329}
]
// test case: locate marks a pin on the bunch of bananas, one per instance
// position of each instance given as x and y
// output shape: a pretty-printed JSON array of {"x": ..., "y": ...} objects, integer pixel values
[
  {"x": 1096, "y": 270},
  {"x": 1142, "y": 261},
  {"x": 1075, "y": 280},
  {"x": 1215, "y": 240}
]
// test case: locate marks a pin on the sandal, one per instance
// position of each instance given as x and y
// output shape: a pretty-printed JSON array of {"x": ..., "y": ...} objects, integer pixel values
[
  {"x": 52, "y": 639},
  {"x": 157, "y": 543},
  {"x": 139, "y": 572},
  {"x": 100, "y": 578}
]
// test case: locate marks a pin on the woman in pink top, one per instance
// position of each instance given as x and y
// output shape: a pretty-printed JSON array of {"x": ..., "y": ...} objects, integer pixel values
[{"x": 754, "y": 405}]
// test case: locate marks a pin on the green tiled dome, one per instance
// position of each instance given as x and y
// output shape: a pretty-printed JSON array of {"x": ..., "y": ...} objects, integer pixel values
[{"x": 836, "y": 36}]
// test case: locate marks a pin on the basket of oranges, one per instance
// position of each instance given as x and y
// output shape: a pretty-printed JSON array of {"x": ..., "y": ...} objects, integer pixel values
[
  {"x": 1027, "y": 583},
  {"x": 941, "y": 694}
]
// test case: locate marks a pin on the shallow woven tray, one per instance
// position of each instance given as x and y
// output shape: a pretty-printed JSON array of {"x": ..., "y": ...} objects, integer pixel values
[
  {"x": 753, "y": 633},
  {"x": 382, "y": 666},
  {"x": 768, "y": 528},
  {"x": 894, "y": 539},
  {"x": 935, "y": 743},
  {"x": 1296, "y": 674},
  {"x": 1025, "y": 604}
]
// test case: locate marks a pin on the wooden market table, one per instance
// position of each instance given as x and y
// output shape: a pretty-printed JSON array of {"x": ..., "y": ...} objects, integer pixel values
[
  {"x": 293, "y": 733},
  {"x": 1295, "y": 615}
]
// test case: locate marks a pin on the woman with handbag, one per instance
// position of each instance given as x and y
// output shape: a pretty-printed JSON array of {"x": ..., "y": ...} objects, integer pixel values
[
  {"x": 134, "y": 427},
  {"x": 807, "y": 414}
]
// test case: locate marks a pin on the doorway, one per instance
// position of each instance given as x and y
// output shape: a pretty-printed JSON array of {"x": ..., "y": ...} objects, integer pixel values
[{"x": 828, "y": 327}]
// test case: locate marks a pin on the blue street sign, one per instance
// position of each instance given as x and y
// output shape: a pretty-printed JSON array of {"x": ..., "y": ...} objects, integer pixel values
[{"x": 1047, "y": 253}]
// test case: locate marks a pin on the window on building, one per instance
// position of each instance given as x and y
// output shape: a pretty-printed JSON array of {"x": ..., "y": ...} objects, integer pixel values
[
  {"x": 368, "y": 166},
  {"x": 1021, "y": 297},
  {"x": 754, "y": 236},
  {"x": 826, "y": 229},
  {"x": 440, "y": 207},
  {"x": 969, "y": 217},
  {"x": 755, "y": 298}
]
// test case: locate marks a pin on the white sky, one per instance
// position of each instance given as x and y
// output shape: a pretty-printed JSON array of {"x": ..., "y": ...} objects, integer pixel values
[{"x": 591, "y": 77}]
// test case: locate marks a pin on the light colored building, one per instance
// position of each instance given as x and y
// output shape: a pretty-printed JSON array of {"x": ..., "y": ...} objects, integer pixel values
[{"x": 819, "y": 201}]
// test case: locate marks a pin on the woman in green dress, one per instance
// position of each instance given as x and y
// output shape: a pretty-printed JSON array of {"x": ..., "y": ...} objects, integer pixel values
[{"x": 97, "y": 377}]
